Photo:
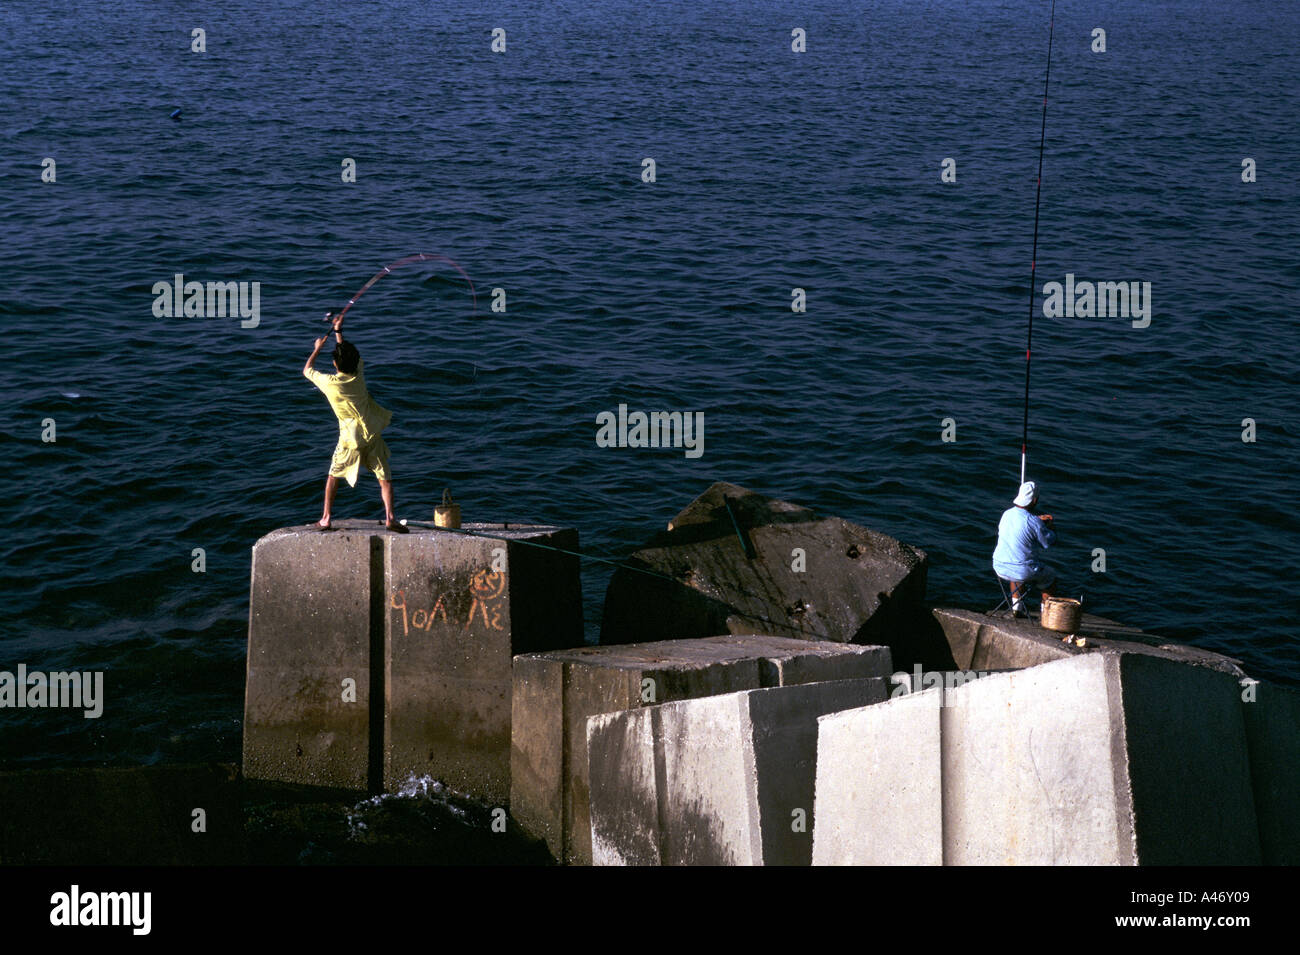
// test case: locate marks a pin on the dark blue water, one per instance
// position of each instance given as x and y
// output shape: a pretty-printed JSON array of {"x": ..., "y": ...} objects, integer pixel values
[{"x": 775, "y": 170}]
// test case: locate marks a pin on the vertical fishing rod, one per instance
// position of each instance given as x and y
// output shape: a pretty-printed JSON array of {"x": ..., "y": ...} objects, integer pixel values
[{"x": 1033, "y": 265}]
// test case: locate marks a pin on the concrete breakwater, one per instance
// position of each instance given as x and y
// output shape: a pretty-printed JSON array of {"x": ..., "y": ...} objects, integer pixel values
[
  {"x": 557, "y": 694},
  {"x": 743, "y": 705},
  {"x": 374, "y": 656},
  {"x": 771, "y": 687}
]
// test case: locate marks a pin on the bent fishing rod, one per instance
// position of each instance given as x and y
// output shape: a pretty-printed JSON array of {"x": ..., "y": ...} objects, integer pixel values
[{"x": 333, "y": 314}]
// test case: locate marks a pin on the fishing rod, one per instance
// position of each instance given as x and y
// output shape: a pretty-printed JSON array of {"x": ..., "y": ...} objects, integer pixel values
[
  {"x": 1033, "y": 265},
  {"x": 410, "y": 259}
]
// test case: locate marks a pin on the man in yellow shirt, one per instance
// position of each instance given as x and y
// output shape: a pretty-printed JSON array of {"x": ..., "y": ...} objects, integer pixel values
[{"x": 361, "y": 419}]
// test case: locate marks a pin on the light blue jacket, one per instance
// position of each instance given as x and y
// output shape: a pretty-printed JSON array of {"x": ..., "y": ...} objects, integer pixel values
[{"x": 1022, "y": 537}]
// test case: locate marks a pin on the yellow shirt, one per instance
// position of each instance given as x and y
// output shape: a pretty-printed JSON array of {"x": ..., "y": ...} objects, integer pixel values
[{"x": 361, "y": 418}]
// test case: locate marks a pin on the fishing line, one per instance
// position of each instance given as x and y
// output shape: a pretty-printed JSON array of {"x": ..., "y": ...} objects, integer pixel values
[{"x": 1033, "y": 265}]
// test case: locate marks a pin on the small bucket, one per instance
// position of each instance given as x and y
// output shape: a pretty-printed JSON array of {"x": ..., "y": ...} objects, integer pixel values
[
  {"x": 448, "y": 514},
  {"x": 1062, "y": 614}
]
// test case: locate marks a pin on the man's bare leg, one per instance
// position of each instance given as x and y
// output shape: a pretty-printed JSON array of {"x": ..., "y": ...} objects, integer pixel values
[
  {"x": 1017, "y": 593},
  {"x": 331, "y": 485},
  {"x": 386, "y": 492}
]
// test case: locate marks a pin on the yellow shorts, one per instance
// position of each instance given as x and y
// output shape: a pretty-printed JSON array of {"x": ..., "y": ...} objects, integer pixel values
[{"x": 347, "y": 462}]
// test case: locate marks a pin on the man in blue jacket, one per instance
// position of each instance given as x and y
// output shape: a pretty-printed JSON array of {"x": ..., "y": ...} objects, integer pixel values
[{"x": 1023, "y": 534}]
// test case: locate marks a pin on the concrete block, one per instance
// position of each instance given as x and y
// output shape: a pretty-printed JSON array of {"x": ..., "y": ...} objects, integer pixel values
[
  {"x": 728, "y": 565},
  {"x": 1105, "y": 759},
  {"x": 687, "y": 794},
  {"x": 141, "y": 815},
  {"x": 309, "y": 618},
  {"x": 459, "y": 608},
  {"x": 376, "y": 656},
  {"x": 1272, "y": 720},
  {"x": 879, "y": 789},
  {"x": 784, "y": 725},
  {"x": 723, "y": 780},
  {"x": 556, "y": 692},
  {"x": 1100, "y": 759},
  {"x": 1033, "y": 771},
  {"x": 981, "y": 641}
]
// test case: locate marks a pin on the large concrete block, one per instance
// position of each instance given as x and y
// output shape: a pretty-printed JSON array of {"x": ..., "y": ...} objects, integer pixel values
[
  {"x": 460, "y": 607},
  {"x": 1034, "y": 768},
  {"x": 723, "y": 780},
  {"x": 556, "y": 692},
  {"x": 984, "y": 641},
  {"x": 736, "y": 562},
  {"x": 374, "y": 656},
  {"x": 1272, "y": 719},
  {"x": 1106, "y": 759},
  {"x": 1188, "y": 765},
  {"x": 784, "y": 725},
  {"x": 686, "y": 795},
  {"x": 309, "y": 631},
  {"x": 145, "y": 815},
  {"x": 879, "y": 788},
  {"x": 1102, "y": 759}
]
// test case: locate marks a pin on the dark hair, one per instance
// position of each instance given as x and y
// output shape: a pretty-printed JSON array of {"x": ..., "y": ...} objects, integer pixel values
[{"x": 347, "y": 357}]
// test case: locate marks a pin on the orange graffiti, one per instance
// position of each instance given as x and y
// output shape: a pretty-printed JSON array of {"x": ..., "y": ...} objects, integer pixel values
[
  {"x": 488, "y": 587},
  {"x": 418, "y": 618}
]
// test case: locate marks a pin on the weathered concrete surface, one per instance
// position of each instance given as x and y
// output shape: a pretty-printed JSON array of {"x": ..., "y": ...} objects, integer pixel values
[
  {"x": 722, "y": 780},
  {"x": 422, "y": 627},
  {"x": 784, "y": 725},
  {"x": 1188, "y": 765},
  {"x": 879, "y": 787},
  {"x": 686, "y": 793},
  {"x": 556, "y": 692},
  {"x": 141, "y": 815},
  {"x": 1272, "y": 720},
  {"x": 460, "y": 608},
  {"x": 981, "y": 641},
  {"x": 1107, "y": 759},
  {"x": 856, "y": 585},
  {"x": 1102, "y": 759},
  {"x": 1034, "y": 768},
  {"x": 308, "y": 632}
]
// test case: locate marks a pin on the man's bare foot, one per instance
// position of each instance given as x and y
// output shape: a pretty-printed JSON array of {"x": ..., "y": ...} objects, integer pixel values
[
  {"x": 323, "y": 525},
  {"x": 395, "y": 527}
]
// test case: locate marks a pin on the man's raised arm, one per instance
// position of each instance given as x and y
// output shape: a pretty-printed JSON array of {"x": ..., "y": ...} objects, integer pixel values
[{"x": 311, "y": 360}]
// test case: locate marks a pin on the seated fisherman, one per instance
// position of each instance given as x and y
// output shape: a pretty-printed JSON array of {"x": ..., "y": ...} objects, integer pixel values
[
  {"x": 1023, "y": 534},
  {"x": 361, "y": 419}
]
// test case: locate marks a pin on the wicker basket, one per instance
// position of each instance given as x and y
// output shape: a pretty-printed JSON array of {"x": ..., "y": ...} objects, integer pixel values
[
  {"x": 448, "y": 514},
  {"x": 1062, "y": 614}
]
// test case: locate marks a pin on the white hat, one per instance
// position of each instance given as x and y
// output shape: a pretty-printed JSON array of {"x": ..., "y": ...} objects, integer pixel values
[{"x": 1028, "y": 491}]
